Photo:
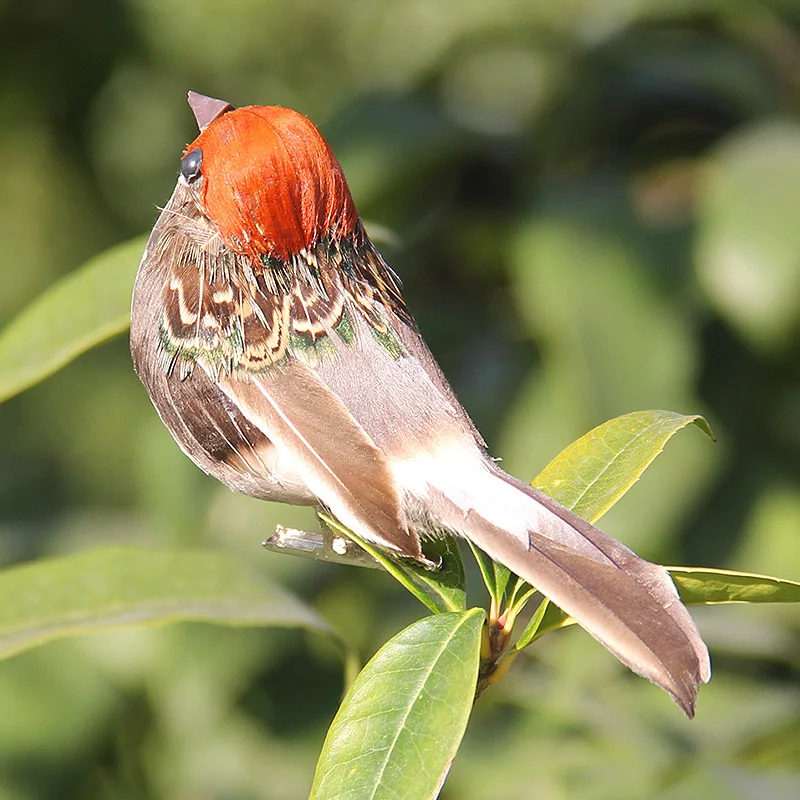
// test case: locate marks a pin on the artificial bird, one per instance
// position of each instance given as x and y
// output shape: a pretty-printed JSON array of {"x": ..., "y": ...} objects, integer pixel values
[{"x": 275, "y": 344}]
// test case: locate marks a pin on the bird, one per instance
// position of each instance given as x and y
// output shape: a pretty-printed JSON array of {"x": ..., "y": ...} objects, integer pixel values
[{"x": 275, "y": 344}]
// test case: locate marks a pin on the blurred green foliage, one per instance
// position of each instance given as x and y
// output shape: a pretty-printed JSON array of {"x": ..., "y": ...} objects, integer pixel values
[{"x": 595, "y": 208}]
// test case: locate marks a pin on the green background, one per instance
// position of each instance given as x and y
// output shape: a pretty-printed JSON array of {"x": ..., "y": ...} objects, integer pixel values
[{"x": 594, "y": 209}]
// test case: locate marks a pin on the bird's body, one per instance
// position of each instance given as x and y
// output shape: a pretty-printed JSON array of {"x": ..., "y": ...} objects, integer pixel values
[{"x": 276, "y": 346}]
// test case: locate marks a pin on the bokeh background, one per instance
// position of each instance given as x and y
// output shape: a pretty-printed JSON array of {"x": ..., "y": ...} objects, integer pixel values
[{"x": 594, "y": 207}]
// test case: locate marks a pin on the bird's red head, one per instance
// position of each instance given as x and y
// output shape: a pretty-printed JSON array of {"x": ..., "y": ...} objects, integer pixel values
[{"x": 270, "y": 182}]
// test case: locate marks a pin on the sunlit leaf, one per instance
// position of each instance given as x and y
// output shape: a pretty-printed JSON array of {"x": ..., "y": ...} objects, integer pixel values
[
  {"x": 402, "y": 721},
  {"x": 112, "y": 588},
  {"x": 702, "y": 586},
  {"x": 78, "y": 312},
  {"x": 535, "y": 628},
  {"x": 551, "y": 619},
  {"x": 595, "y": 471}
]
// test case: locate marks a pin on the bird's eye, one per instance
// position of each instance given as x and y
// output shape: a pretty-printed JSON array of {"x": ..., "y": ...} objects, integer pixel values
[{"x": 190, "y": 165}]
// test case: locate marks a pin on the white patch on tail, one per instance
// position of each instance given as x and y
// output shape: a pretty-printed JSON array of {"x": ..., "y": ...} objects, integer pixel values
[{"x": 461, "y": 474}]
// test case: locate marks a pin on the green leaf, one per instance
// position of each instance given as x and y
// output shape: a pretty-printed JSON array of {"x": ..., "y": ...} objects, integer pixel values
[
  {"x": 402, "y": 721},
  {"x": 702, "y": 586},
  {"x": 78, "y": 312},
  {"x": 111, "y": 588},
  {"x": 551, "y": 620},
  {"x": 442, "y": 589},
  {"x": 534, "y": 627},
  {"x": 595, "y": 471},
  {"x": 495, "y": 576},
  {"x": 502, "y": 575}
]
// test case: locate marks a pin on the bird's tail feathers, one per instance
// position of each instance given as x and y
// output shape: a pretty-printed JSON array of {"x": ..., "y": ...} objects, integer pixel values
[{"x": 628, "y": 604}]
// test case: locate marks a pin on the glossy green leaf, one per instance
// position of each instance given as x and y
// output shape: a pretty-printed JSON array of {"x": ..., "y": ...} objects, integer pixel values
[
  {"x": 441, "y": 589},
  {"x": 702, "y": 586},
  {"x": 595, "y": 471},
  {"x": 111, "y": 588},
  {"x": 402, "y": 721},
  {"x": 534, "y": 629},
  {"x": 502, "y": 575},
  {"x": 78, "y": 312}
]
